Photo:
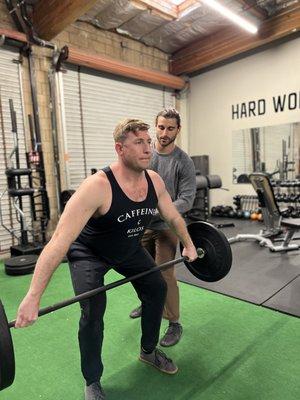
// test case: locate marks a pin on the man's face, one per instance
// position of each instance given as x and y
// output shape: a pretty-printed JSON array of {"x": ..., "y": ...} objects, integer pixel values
[
  {"x": 166, "y": 130},
  {"x": 135, "y": 151}
]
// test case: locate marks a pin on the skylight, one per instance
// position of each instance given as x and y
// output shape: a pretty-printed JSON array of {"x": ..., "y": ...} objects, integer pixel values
[{"x": 177, "y": 2}]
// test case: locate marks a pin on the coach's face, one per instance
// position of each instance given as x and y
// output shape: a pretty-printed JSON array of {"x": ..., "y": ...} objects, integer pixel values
[{"x": 166, "y": 130}]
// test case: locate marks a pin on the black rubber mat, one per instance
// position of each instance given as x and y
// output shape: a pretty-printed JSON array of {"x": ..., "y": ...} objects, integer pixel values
[
  {"x": 287, "y": 300},
  {"x": 257, "y": 275}
]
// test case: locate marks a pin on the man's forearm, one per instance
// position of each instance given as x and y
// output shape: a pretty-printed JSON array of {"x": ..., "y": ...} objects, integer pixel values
[
  {"x": 47, "y": 263},
  {"x": 178, "y": 225}
]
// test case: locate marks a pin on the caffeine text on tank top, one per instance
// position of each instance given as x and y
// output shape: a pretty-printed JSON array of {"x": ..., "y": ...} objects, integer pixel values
[{"x": 116, "y": 235}]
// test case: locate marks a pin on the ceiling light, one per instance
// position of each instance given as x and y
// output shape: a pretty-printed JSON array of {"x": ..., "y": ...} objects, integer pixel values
[{"x": 242, "y": 22}]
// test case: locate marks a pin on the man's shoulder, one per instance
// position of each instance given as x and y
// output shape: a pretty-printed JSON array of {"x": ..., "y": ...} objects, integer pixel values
[
  {"x": 93, "y": 190},
  {"x": 153, "y": 175},
  {"x": 156, "y": 180},
  {"x": 183, "y": 156},
  {"x": 101, "y": 176},
  {"x": 182, "y": 152},
  {"x": 97, "y": 180}
]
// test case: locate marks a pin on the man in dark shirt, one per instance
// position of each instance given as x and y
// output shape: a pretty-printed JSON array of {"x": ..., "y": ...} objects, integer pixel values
[{"x": 101, "y": 227}]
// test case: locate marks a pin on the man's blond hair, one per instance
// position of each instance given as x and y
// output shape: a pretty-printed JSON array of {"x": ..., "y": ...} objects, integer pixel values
[{"x": 128, "y": 125}]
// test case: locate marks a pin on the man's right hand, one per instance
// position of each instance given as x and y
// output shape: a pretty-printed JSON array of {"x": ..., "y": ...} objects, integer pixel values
[
  {"x": 190, "y": 252},
  {"x": 27, "y": 312}
]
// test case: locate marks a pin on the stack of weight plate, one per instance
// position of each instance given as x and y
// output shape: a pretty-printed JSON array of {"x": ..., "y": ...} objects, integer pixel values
[{"x": 20, "y": 265}]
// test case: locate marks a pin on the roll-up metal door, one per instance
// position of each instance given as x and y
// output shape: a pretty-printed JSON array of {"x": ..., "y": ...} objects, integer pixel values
[
  {"x": 10, "y": 89},
  {"x": 73, "y": 135},
  {"x": 93, "y": 104}
]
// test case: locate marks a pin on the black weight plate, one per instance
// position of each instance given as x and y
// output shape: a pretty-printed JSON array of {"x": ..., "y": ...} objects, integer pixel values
[
  {"x": 243, "y": 178},
  {"x": 217, "y": 260},
  {"x": 21, "y": 261},
  {"x": 28, "y": 269},
  {"x": 7, "y": 357}
]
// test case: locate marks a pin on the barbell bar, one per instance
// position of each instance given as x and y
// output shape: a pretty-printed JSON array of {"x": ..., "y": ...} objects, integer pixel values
[{"x": 212, "y": 264}]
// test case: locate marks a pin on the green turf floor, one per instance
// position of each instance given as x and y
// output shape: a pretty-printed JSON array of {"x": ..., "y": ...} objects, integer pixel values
[{"x": 230, "y": 349}]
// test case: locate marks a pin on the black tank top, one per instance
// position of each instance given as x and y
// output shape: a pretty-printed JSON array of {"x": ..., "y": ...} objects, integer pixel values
[{"x": 116, "y": 235}]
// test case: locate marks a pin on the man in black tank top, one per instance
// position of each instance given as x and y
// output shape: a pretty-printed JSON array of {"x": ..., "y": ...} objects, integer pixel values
[{"x": 101, "y": 228}]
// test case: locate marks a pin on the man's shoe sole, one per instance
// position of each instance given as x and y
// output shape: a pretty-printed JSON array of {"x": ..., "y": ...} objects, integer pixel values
[
  {"x": 169, "y": 345},
  {"x": 162, "y": 370}
]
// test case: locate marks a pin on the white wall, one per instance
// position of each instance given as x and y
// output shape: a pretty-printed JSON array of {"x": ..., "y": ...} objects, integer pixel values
[{"x": 261, "y": 76}]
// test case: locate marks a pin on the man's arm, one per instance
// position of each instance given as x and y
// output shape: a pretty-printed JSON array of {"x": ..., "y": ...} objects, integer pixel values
[
  {"x": 81, "y": 206},
  {"x": 172, "y": 217},
  {"x": 186, "y": 186}
]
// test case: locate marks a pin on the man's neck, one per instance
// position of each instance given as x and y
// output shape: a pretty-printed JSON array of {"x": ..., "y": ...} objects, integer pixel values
[
  {"x": 127, "y": 174},
  {"x": 164, "y": 149}
]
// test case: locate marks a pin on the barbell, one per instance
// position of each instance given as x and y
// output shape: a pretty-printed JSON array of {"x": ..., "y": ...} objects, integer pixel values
[{"x": 212, "y": 264}]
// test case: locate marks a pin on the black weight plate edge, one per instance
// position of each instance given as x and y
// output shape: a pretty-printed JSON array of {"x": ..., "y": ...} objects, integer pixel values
[
  {"x": 20, "y": 270},
  {"x": 226, "y": 259},
  {"x": 199, "y": 272},
  {"x": 20, "y": 267},
  {"x": 29, "y": 259},
  {"x": 200, "y": 267},
  {"x": 7, "y": 356},
  {"x": 227, "y": 254}
]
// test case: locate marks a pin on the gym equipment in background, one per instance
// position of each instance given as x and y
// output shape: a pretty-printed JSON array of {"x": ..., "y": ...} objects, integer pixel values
[
  {"x": 23, "y": 183},
  {"x": 275, "y": 225}
]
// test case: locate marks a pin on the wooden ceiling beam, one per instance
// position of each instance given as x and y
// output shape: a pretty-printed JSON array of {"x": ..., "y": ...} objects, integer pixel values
[
  {"x": 51, "y": 17},
  {"x": 21, "y": 37},
  {"x": 121, "y": 68},
  {"x": 232, "y": 41}
]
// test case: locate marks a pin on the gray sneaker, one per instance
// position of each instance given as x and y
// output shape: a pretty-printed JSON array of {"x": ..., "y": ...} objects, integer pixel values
[
  {"x": 172, "y": 335},
  {"x": 136, "y": 313},
  {"x": 159, "y": 360},
  {"x": 94, "y": 392}
]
